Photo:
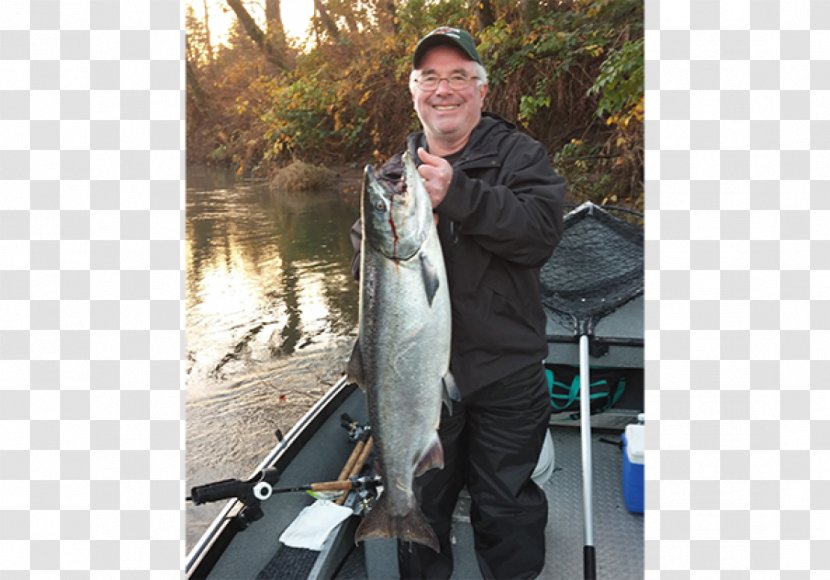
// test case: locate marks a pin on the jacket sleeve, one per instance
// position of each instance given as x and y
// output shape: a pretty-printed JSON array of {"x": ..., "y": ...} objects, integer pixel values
[{"x": 518, "y": 219}]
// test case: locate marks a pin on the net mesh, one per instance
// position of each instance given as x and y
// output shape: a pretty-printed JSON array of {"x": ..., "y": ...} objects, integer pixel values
[{"x": 596, "y": 268}]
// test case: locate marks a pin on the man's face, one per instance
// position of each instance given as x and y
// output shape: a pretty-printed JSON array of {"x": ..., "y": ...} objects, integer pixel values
[{"x": 448, "y": 115}]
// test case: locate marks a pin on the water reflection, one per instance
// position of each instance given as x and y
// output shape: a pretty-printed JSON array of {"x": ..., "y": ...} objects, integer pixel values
[
  {"x": 271, "y": 317},
  {"x": 268, "y": 275}
]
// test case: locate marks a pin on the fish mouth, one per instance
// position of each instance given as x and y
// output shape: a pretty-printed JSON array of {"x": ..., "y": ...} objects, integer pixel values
[
  {"x": 396, "y": 210},
  {"x": 393, "y": 186},
  {"x": 389, "y": 203}
]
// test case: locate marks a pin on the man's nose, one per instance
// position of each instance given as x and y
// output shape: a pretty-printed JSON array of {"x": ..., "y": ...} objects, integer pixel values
[{"x": 443, "y": 86}]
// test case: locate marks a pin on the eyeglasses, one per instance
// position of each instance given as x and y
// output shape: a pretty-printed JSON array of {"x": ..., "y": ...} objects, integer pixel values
[{"x": 457, "y": 82}]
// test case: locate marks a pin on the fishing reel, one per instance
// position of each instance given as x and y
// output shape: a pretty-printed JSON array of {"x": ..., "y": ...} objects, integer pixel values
[
  {"x": 250, "y": 492},
  {"x": 355, "y": 430},
  {"x": 367, "y": 495},
  {"x": 368, "y": 488}
]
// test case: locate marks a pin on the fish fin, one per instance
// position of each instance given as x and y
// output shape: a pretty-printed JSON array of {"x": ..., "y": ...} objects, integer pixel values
[
  {"x": 430, "y": 275},
  {"x": 410, "y": 527},
  {"x": 450, "y": 391},
  {"x": 433, "y": 456},
  {"x": 354, "y": 370}
]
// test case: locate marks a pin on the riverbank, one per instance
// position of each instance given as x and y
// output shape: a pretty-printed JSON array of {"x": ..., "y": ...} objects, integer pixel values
[{"x": 300, "y": 176}]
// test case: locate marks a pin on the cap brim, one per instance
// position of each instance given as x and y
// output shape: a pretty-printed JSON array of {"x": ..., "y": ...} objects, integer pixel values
[{"x": 431, "y": 42}]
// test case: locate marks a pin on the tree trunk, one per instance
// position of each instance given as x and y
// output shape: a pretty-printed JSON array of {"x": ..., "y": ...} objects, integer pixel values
[
  {"x": 195, "y": 89},
  {"x": 273, "y": 52},
  {"x": 275, "y": 28},
  {"x": 326, "y": 20},
  {"x": 484, "y": 13},
  {"x": 273, "y": 18},
  {"x": 348, "y": 15},
  {"x": 207, "y": 33},
  {"x": 387, "y": 16}
]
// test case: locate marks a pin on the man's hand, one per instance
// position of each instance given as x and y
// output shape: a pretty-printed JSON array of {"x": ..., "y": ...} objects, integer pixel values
[{"x": 437, "y": 175}]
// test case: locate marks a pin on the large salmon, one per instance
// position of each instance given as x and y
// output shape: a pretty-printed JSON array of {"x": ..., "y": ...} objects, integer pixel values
[{"x": 401, "y": 358}]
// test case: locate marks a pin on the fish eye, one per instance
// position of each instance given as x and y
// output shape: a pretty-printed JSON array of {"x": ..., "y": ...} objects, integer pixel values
[{"x": 380, "y": 206}]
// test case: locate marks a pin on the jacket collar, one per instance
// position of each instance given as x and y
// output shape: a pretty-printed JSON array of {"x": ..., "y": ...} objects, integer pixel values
[{"x": 481, "y": 150}]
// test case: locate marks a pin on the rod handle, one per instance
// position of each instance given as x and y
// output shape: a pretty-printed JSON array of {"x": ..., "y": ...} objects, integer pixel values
[
  {"x": 590, "y": 562},
  {"x": 225, "y": 489},
  {"x": 344, "y": 485}
]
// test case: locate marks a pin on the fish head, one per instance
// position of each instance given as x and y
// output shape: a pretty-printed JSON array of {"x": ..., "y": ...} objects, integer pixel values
[{"x": 397, "y": 214}]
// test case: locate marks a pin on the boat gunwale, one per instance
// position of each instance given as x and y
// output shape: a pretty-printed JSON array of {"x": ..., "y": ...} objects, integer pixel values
[{"x": 283, "y": 452}]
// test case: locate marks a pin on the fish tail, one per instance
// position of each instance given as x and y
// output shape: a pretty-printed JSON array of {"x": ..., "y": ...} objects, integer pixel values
[{"x": 410, "y": 527}]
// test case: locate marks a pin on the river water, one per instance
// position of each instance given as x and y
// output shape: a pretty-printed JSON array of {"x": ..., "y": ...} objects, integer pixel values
[{"x": 270, "y": 320}]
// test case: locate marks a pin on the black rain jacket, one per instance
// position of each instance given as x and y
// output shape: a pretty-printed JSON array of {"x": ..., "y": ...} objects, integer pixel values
[{"x": 498, "y": 224}]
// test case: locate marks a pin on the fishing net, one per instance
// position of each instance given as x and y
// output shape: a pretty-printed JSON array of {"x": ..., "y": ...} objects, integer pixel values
[{"x": 596, "y": 268}]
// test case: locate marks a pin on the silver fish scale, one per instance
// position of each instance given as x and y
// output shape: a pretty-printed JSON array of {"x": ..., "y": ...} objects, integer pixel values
[
  {"x": 404, "y": 340},
  {"x": 404, "y": 373}
]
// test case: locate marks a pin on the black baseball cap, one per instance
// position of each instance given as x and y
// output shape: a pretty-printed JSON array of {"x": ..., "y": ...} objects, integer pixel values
[{"x": 446, "y": 35}]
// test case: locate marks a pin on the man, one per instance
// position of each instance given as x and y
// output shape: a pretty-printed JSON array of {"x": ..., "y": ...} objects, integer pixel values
[{"x": 498, "y": 205}]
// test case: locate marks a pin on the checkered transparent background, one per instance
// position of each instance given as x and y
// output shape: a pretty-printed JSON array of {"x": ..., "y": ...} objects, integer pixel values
[
  {"x": 91, "y": 221},
  {"x": 737, "y": 287}
]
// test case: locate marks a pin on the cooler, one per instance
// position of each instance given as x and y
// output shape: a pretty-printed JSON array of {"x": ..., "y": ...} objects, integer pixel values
[{"x": 633, "y": 476}]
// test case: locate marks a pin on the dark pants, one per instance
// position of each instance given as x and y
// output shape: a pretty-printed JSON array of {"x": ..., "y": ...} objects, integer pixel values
[{"x": 491, "y": 444}]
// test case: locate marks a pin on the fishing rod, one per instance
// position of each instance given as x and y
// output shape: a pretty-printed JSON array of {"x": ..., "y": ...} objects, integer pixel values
[
  {"x": 249, "y": 491},
  {"x": 254, "y": 491},
  {"x": 260, "y": 488},
  {"x": 351, "y": 484}
]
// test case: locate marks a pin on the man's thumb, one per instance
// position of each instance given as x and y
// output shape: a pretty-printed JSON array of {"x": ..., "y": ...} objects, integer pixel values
[{"x": 426, "y": 157}]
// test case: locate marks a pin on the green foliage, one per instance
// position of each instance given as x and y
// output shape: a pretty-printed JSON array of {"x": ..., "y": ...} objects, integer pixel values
[
  {"x": 620, "y": 80},
  {"x": 296, "y": 119},
  {"x": 417, "y": 17},
  {"x": 542, "y": 74},
  {"x": 576, "y": 161},
  {"x": 529, "y": 105},
  {"x": 219, "y": 154},
  {"x": 570, "y": 72}
]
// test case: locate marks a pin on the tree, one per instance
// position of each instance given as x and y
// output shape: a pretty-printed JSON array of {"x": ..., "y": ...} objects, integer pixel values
[
  {"x": 273, "y": 44},
  {"x": 195, "y": 89},
  {"x": 273, "y": 22},
  {"x": 208, "y": 45},
  {"x": 484, "y": 13},
  {"x": 326, "y": 20},
  {"x": 387, "y": 17},
  {"x": 568, "y": 71},
  {"x": 197, "y": 41}
]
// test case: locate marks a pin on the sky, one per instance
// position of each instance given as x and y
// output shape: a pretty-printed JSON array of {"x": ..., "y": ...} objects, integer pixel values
[{"x": 295, "y": 16}]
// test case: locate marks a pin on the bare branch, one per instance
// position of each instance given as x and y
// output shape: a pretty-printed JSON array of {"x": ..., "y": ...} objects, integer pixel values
[{"x": 274, "y": 53}]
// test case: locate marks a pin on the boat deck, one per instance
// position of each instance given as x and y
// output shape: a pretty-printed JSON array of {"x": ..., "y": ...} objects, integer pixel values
[{"x": 618, "y": 534}]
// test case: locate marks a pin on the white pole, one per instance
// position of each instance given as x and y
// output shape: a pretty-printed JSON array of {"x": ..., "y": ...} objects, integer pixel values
[{"x": 585, "y": 420}]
